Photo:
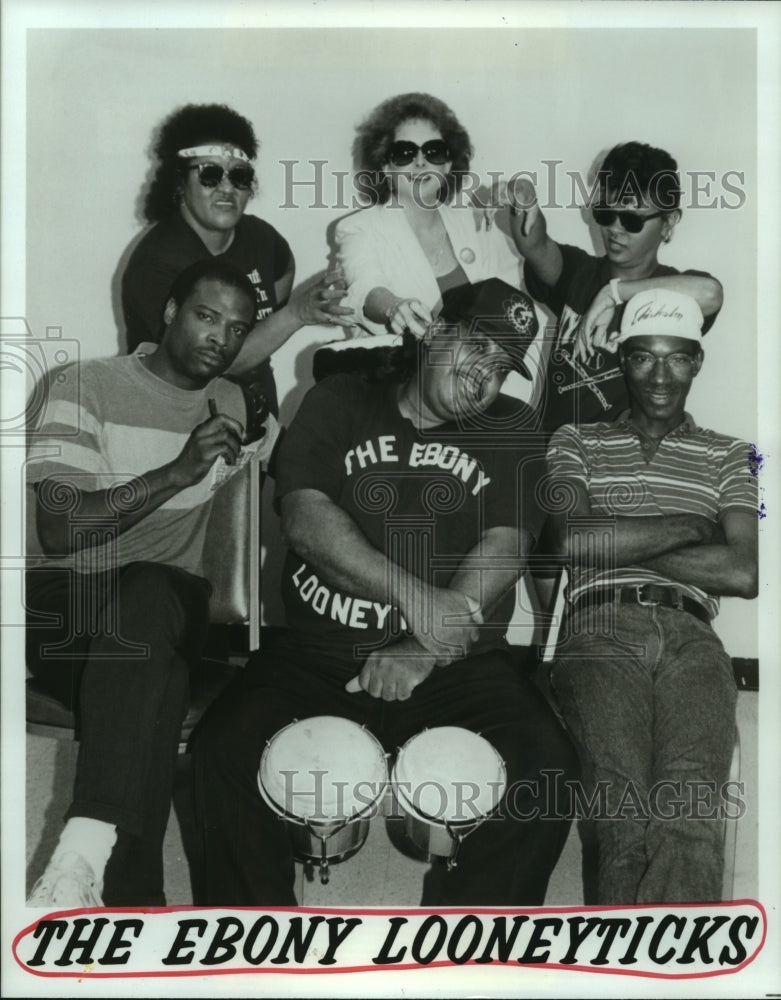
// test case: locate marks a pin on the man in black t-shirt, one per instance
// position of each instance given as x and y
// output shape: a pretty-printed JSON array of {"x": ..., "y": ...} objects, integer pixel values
[{"x": 408, "y": 505}]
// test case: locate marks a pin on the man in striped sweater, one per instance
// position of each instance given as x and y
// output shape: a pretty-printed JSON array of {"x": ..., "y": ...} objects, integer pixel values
[
  {"x": 661, "y": 521},
  {"x": 117, "y": 603}
]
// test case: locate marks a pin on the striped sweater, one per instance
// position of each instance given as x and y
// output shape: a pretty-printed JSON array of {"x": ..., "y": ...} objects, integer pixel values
[{"x": 109, "y": 421}]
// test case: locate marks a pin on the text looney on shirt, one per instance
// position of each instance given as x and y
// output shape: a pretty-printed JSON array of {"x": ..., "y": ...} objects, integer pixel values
[{"x": 352, "y": 612}]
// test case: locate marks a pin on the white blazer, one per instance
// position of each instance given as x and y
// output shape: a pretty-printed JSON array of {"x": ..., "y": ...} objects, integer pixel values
[{"x": 377, "y": 248}]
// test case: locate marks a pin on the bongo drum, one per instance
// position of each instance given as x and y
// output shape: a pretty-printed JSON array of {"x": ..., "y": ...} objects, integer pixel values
[
  {"x": 447, "y": 781},
  {"x": 323, "y": 776}
]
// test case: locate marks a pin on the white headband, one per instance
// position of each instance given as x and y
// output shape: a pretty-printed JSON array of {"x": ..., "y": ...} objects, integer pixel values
[{"x": 221, "y": 149}]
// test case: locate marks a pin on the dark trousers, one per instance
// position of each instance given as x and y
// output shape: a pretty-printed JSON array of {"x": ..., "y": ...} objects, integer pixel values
[
  {"x": 248, "y": 857},
  {"x": 118, "y": 651}
]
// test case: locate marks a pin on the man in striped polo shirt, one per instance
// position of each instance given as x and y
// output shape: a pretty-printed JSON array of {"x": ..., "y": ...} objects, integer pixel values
[
  {"x": 661, "y": 521},
  {"x": 117, "y": 605}
]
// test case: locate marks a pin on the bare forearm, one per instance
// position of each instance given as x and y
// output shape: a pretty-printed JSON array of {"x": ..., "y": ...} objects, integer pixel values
[
  {"x": 58, "y": 499},
  {"x": 634, "y": 539},
  {"x": 442, "y": 618},
  {"x": 725, "y": 570},
  {"x": 265, "y": 338},
  {"x": 492, "y": 568},
  {"x": 536, "y": 246},
  {"x": 311, "y": 304},
  {"x": 323, "y": 535},
  {"x": 119, "y": 508},
  {"x": 529, "y": 230},
  {"x": 706, "y": 291}
]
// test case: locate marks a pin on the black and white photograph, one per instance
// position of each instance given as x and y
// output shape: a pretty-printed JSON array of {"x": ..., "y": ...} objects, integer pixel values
[{"x": 390, "y": 526}]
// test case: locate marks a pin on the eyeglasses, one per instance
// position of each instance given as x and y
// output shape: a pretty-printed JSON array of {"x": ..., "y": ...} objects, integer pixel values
[
  {"x": 210, "y": 175},
  {"x": 679, "y": 364},
  {"x": 631, "y": 221},
  {"x": 402, "y": 153}
]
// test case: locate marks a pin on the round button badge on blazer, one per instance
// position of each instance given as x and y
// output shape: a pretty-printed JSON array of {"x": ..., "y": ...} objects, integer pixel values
[{"x": 467, "y": 255}]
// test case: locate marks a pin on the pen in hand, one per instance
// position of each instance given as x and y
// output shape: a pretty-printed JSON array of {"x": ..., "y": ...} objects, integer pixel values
[
  {"x": 229, "y": 457},
  {"x": 213, "y": 412}
]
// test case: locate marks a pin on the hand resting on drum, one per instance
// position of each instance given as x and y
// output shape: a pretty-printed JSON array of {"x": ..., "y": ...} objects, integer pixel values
[{"x": 394, "y": 672}]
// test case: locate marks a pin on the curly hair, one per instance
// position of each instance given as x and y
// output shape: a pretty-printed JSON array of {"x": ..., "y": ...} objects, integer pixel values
[
  {"x": 375, "y": 135},
  {"x": 376, "y": 364},
  {"x": 191, "y": 125},
  {"x": 639, "y": 170}
]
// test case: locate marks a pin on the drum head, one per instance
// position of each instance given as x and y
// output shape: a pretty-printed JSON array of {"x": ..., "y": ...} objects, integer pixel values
[
  {"x": 323, "y": 769},
  {"x": 449, "y": 774}
]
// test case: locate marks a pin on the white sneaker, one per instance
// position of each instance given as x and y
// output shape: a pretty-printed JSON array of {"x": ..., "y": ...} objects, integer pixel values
[{"x": 68, "y": 883}]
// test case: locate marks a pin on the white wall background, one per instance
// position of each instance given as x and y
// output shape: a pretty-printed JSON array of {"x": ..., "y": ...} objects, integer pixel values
[{"x": 525, "y": 95}]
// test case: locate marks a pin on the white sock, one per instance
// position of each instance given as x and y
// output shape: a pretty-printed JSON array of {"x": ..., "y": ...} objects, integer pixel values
[{"x": 92, "y": 839}]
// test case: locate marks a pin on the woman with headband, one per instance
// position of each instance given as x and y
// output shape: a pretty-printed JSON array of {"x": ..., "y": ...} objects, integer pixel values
[
  {"x": 197, "y": 200},
  {"x": 420, "y": 236}
]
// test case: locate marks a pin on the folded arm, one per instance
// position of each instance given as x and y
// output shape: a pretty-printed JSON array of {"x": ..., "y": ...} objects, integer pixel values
[
  {"x": 636, "y": 539},
  {"x": 393, "y": 672},
  {"x": 727, "y": 566},
  {"x": 442, "y": 619},
  {"x": 506, "y": 549}
]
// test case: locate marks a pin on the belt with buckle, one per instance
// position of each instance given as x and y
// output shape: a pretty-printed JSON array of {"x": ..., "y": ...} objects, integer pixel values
[{"x": 647, "y": 594}]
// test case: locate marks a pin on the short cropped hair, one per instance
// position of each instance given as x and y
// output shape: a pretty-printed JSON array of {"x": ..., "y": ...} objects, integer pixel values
[
  {"x": 191, "y": 125},
  {"x": 635, "y": 169},
  {"x": 210, "y": 269},
  {"x": 375, "y": 135}
]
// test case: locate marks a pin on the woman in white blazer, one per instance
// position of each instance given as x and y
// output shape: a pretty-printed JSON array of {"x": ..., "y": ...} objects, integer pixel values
[{"x": 422, "y": 235}]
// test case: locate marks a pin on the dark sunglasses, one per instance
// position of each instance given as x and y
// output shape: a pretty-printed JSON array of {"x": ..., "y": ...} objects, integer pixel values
[
  {"x": 210, "y": 175},
  {"x": 403, "y": 153},
  {"x": 631, "y": 221}
]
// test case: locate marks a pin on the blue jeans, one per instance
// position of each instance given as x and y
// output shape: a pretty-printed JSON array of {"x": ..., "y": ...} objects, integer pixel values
[{"x": 649, "y": 697}]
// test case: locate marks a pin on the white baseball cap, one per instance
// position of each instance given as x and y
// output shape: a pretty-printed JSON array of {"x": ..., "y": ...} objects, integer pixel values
[{"x": 660, "y": 312}]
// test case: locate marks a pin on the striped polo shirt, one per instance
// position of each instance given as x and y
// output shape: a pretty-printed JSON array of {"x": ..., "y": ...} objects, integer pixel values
[
  {"x": 109, "y": 421},
  {"x": 694, "y": 471}
]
